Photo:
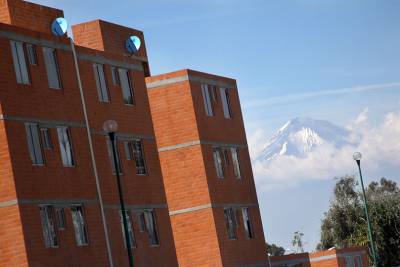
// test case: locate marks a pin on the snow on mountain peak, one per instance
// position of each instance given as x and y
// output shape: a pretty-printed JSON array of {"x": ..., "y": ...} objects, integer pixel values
[{"x": 302, "y": 135}]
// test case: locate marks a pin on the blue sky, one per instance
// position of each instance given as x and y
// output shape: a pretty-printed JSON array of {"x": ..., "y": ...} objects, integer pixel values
[{"x": 325, "y": 59}]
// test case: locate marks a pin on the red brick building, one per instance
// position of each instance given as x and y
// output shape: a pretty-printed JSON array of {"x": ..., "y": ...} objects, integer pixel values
[
  {"x": 346, "y": 257},
  {"x": 187, "y": 183}
]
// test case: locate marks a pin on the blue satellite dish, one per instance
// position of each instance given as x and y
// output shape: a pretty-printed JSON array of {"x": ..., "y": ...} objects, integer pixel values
[
  {"x": 59, "y": 26},
  {"x": 132, "y": 44}
]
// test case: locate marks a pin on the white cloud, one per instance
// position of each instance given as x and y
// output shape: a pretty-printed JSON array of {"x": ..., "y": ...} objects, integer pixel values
[
  {"x": 362, "y": 117},
  {"x": 380, "y": 146}
]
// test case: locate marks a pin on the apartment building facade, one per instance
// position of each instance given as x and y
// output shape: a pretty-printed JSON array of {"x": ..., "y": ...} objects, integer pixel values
[
  {"x": 206, "y": 169},
  {"x": 59, "y": 202},
  {"x": 345, "y": 257}
]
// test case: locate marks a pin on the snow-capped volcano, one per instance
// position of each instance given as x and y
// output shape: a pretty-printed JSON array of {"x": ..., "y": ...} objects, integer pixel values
[{"x": 300, "y": 136}]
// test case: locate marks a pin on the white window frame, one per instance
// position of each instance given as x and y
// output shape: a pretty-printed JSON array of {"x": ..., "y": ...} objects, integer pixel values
[
  {"x": 52, "y": 68},
  {"x": 79, "y": 222},
  {"x": 101, "y": 84},
  {"x": 34, "y": 143},
  {"x": 47, "y": 217},
  {"x": 66, "y": 150},
  {"x": 226, "y": 105},
  {"x": 208, "y": 107},
  {"x": 19, "y": 60},
  {"x": 126, "y": 86}
]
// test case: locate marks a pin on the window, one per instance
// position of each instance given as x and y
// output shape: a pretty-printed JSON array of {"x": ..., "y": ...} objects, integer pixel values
[
  {"x": 134, "y": 150},
  {"x": 146, "y": 220},
  {"x": 60, "y": 218},
  {"x": 247, "y": 223},
  {"x": 78, "y": 220},
  {"x": 349, "y": 261},
  {"x": 235, "y": 160},
  {"x": 49, "y": 233},
  {"x": 218, "y": 162},
  {"x": 111, "y": 157},
  {"x": 225, "y": 103},
  {"x": 141, "y": 221},
  {"x": 359, "y": 261},
  {"x": 35, "y": 149},
  {"x": 101, "y": 85},
  {"x": 32, "y": 57},
  {"x": 130, "y": 229},
  {"x": 207, "y": 95},
  {"x": 53, "y": 73},
  {"x": 230, "y": 220},
  {"x": 115, "y": 76},
  {"x": 125, "y": 82},
  {"x": 64, "y": 139},
  {"x": 20, "y": 67},
  {"x": 46, "y": 138},
  {"x": 151, "y": 227}
]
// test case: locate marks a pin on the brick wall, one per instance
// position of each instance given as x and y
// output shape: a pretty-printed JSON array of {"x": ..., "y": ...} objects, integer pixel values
[
  {"x": 185, "y": 139},
  {"x": 53, "y": 183}
]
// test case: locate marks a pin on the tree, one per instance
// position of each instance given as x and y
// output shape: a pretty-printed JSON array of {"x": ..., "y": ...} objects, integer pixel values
[
  {"x": 275, "y": 250},
  {"x": 297, "y": 242},
  {"x": 345, "y": 225}
]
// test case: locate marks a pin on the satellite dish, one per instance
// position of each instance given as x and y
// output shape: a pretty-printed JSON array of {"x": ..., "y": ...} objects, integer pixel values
[
  {"x": 59, "y": 26},
  {"x": 132, "y": 44}
]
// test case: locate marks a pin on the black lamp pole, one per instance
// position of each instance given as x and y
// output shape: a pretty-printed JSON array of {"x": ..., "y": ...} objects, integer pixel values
[
  {"x": 357, "y": 158},
  {"x": 121, "y": 200}
]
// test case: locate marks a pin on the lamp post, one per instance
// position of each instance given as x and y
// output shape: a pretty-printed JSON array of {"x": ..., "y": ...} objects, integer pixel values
[
  {"x": 269, "y": 259},
  {"x": 357, "y": 157},
  {"x": 110, "y": 127}
]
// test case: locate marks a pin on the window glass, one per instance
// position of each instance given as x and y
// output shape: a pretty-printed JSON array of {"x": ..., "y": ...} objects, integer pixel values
[
  {"x": 52, "y": 70},
  {"x": 48, "y": 226},
  {"x": 235, "y": 160},
  {"x": 115, "y": 76},
  {"x": 230, "y": 220},
  {"x": 225, "y": 103},
  {"x": 218, "y": 162},
  {"x": 247, "y": 223},
  {"x": 207, "y": 99},
  {"x": 139, "y": 156},
  {"x": 47, "y": 144},
  {"x": 101, "y": 85},
  {"x": 359, "y": 261},
  {"x": 34, "y": 145},
  {"x": 78, "y": 219},
  {"x": 130, "y": 229},
  {"x": 64, "y": 139},
  {"x": 60, "y": 218},
  {"x": 111, "y": 157},
  {"x": 20, "y": 67},
  {"x": 126, "y": 86},
  {"x": 32, "y": 57},
  {"x": 151, "y": 227}
]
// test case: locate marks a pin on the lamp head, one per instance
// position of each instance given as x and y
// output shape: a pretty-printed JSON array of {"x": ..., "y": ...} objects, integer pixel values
[
  {"x": 110, "y": 126},
  {"x": 357, "y": 156}
]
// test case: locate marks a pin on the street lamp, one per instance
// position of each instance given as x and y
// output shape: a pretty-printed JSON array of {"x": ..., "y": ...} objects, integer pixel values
[
  {"x": 110, "y": 127},
  {"x": 269, "y": 259},
  {"x": 357, "y": 157}
]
